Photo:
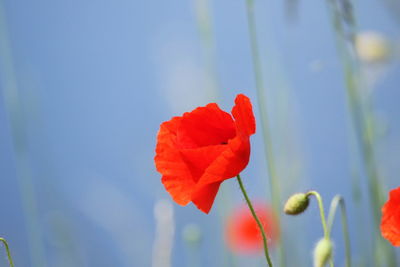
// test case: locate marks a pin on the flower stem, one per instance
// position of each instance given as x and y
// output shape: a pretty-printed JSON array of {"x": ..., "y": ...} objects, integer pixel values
[
  {"x": 16, "y": 111},
  {"x": 257, "y": 220},
  {"x": 321, "y": 212},
  {"x": 360, "y": 110},
  {"x": 323, "y": 220},
  {"x": 8, "y": 251},
  {"x": 207, "y": 38},
  {"x": 332, "y": 211}
]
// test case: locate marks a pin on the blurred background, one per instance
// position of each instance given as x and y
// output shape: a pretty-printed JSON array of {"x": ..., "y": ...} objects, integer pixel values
[{"x": 84, "y": 86}]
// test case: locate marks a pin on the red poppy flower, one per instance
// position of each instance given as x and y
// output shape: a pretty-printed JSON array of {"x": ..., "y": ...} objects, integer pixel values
[
  {"x": 390, "y": 224},
  {"x": 196, "y": 152},
  {"x": 242, "y": 233}
]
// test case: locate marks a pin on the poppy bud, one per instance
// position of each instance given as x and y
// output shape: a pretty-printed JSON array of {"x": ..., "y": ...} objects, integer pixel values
[
  {"x": 322, "y": 252},
  {"x": 296, "y": 204}
]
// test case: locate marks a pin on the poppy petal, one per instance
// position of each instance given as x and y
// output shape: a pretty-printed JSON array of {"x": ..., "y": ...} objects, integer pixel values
[
  {"x": 166, "y": 137},
  {"x": 390, "y": 223},
  {"x": 201, "y": 149},
  {"x": 204, "y": 198},
  {"x": 205, "y": 126},
  {"x": 228, "y": 164},
  {"x": 242, "y": 233},
  {"x": 198, "y": 159},
  {"x": 176, "y": 178},
  {"x": 244, "y": 117},
  {"x": 179, "y": 189}
]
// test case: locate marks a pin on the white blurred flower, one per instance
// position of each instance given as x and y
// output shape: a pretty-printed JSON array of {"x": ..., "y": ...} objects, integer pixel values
[
  {"x": 372, "y": 47},
  {"x": 165, "y": 229}
]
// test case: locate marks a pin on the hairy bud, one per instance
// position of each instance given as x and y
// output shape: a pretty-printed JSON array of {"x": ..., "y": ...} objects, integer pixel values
[
  {"x": 323, "y": 252},
  {"x": 296, "y": 204}
]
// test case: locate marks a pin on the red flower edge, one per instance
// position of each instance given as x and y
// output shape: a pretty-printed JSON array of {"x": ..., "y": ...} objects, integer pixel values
[
  {"x": 390, "y": 223},
  {"x": 242, "y": 234},
  {"x": 199, "y": 150}
]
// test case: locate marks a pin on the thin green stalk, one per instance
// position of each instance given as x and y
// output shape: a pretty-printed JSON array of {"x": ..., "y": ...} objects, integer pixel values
[
  {"x": 338, "y": 200},
  {"x": 205, "y": 26},
  {"x": 8, "y": 251},
  {"x": 257, "y": 220},
  {"x": 321, "y": 211},
  {"x": 261, "y": 96},
  {"x": 323, "y": 218},
  {"x": 358, "y": 114},
  {"x": 358, "y": 141},
  {"x": 344, "y": 26},
  {"x": 13, "y": 107}
]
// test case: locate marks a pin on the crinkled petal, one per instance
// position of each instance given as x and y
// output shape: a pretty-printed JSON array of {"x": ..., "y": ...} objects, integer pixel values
[
  {"x": 236, "y": 157},
  {"x": 390, "y": 223},
  {"x": 394, "y": 196},
  {"x": 177, "y": 178},
  {"x": 167, "y": 135},
  {"x": 201, "y": 149},
  {"x": 244, "y": 117},
  {"x": 199, "y": 159},
  {"x": 204, "y": 198},
  {"x": 390, "y": 230},
  {"x": 228, "y": 164},
  {"x": 205, "y": 126},
  {"x": 179, "y": 189}
]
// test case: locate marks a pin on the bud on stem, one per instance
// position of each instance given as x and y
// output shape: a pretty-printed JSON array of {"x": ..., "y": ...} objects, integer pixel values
[
  {"x": 323, "y": 252},
  {"x": 296, "y": 204}
]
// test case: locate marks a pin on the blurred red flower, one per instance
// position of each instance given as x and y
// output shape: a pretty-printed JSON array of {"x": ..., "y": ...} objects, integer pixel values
[
  {"x": 196, "y": 152},
  {"x": 242, "y": 233},
  {"x": 390, "y": 224}
]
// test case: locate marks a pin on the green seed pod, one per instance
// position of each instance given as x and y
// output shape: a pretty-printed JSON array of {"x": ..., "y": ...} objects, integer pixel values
[
  {"x": 296, "y": 204},
  {"x": 323, "y": 252}
]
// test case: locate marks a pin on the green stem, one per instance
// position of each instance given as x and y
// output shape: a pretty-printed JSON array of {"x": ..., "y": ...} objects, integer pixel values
[
  {"x": 323, "y": 220},
  {"x": 8, "y": 251},
  {"x": 261, "y": 96},
  {"x": 321, "y": 212},
  {"x": 257, "y": 220},
  {"x": 16, "y": 116},
  {"x": 338, "y": 200},
  {"x": 360, "y": 111},
  {"x": 206, "y": 33}
]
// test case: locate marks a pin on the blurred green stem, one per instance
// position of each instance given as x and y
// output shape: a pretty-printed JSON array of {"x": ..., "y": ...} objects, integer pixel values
[
  {"x": 342, "y": 20},
  {"x": 8, "y": 251},
  {"x": 321, "y": 211},
  {"x": 268, "y": 148},
  {"x": 338, "y": 200},
  {"x": 13, "y": 107},
  {"x": 265, "y": 242},
  {"x": 205, "y": 26},
  {"x": 323, "y": 218}
]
